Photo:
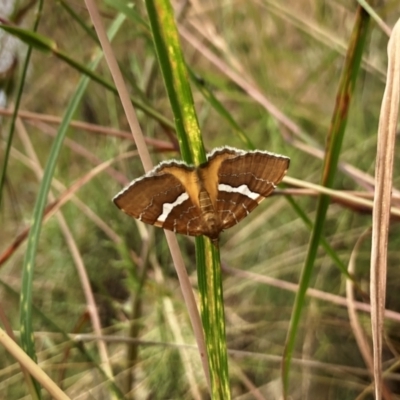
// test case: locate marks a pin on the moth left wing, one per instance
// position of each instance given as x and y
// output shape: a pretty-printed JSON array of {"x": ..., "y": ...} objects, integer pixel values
[
  {"x": 161, "y": 198},
  {"x": 243, "y": 180}
]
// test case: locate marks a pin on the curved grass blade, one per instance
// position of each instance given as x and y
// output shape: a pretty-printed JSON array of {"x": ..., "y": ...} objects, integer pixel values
[
  {"x": 34, "y": 234},
  {"x": 334, "y": 145}
]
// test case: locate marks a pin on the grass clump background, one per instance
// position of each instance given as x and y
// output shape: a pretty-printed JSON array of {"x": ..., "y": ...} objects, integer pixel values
[{"x": 264, "y": 74}]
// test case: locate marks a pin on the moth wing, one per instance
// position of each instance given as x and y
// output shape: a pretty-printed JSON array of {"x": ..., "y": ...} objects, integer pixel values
[
  {"x": 244, "y": 180},
  {"x": 160, "y": 199}
]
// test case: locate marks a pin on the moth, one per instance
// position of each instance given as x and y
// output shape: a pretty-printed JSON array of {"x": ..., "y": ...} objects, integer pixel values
[{"x": 204, "y": 199}]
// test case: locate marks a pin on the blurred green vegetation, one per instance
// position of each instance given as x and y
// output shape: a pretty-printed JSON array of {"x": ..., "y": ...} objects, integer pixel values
[{"x": 292, "y": 54}]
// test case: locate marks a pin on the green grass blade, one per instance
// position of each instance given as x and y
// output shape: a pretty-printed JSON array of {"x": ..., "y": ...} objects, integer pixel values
[
  {"x": 34, "y": 234},
  {"x": 176, "y": 80},
  {"x": 31, "y": 38},
  {"x": 334, "y": 145}
]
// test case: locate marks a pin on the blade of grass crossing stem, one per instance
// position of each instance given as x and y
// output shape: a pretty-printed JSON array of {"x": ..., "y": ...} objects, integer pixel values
[
  {"x": 333, "y": 148},
  {"x": 34, "y": 233},
  {"x": 176, "y": 79}
]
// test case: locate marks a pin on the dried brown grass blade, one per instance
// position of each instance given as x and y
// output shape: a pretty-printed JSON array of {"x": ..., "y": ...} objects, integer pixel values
[
  {"x": 360, "y": 335},
  {"x": 382, "y": 200}
]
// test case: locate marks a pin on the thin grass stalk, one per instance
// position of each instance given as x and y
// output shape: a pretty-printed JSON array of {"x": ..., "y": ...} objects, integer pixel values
[
  {"x": 134, "y": 329},
  {"x": 359, "y": 333},
  {"x": 333, "y": 149}
]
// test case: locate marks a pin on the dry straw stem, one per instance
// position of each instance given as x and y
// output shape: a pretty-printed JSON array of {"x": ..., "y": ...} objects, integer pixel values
[
  {"x": 31, "y": 367},
  {"x": 340, "y": 195},
  {"x": 147, "y": 163},
  {"x": 359, "y": 334},
  {"x": 382, "y": 200}
]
